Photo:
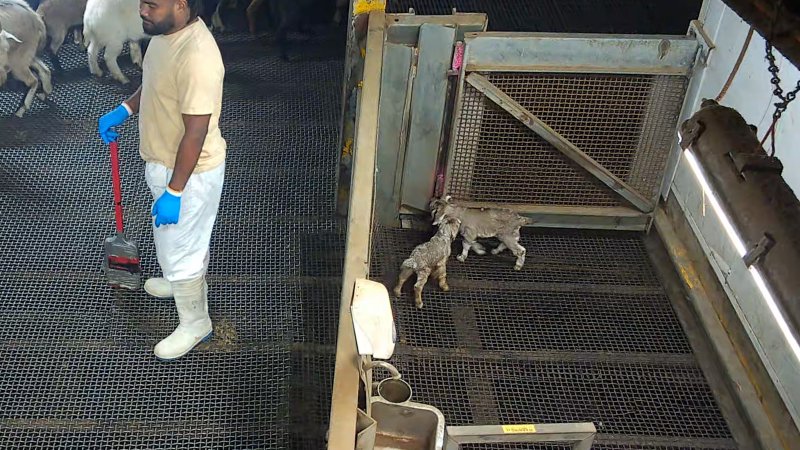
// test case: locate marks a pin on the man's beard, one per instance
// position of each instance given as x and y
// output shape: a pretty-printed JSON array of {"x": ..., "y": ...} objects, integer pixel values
[{"x": 155, "y": 29}]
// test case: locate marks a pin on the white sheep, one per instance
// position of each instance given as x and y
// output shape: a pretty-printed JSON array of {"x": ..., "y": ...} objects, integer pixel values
[
  {"x": 22, "y": 39},
  {"x": 109, "y": 24},
  {"x": 429, "y": 258},
  {"x": 502, "y": 223},
  {"x": 59, "y": 17}
]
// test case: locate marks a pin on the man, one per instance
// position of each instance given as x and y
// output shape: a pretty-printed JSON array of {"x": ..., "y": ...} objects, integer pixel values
[{"x": 179, "y": 105}]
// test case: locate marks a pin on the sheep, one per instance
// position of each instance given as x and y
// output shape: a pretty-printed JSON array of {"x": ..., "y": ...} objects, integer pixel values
[
  {"x": 109, "y": 24},
  {"x": 22, "y": 39},
  {"x": 210, "y": 12},
  {"x": 291, "y": 15},
  {"x": 501, "y": 223},
  {"x": 59, "y": 16},
  {"x": 429, "y": 258}
]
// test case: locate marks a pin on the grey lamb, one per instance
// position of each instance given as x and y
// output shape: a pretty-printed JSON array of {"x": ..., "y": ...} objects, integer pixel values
[
  {"x": 429, "y": 257},
  {"x": 504, "y": 224}
]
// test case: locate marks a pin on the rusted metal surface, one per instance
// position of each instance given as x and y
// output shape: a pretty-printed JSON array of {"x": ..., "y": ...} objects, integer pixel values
[
  {"x": 759, "y": 201},
  {"x": 781, "y": 26}
]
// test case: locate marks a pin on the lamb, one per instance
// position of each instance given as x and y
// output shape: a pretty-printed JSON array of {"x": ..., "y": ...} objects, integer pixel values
[
  {"x": 501, "y": 223},
  {"x": 22, "y": 39},
  {"x": 109, "y": 24},
  {"x": 429, "y": 258},
  {"x": 59, "y": 16}
]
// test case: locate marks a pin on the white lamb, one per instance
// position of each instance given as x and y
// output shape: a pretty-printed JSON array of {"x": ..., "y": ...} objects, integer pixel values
[
  {"x": 109, "y": 24},
  {"x": 22, "y": 38}
]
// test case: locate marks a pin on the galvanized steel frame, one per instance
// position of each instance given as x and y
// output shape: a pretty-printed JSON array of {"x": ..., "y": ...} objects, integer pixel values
[
  {"x": 346, "y": 383},
  {"x": 581, "y": 435},
  {"x": 573, "y": 53}
]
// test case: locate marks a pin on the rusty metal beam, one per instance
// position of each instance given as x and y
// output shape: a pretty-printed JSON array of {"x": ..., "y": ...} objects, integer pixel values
[
  {"x": 784, "y": 34},
  {"x": 558, "y": 141}
]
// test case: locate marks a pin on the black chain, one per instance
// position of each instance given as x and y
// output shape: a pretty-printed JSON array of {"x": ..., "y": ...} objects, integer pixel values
[{"x": 780, "y": 106}]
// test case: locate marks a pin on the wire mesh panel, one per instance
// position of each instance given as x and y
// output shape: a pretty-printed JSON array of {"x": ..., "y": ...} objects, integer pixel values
[{"x": 624, "y": 122}]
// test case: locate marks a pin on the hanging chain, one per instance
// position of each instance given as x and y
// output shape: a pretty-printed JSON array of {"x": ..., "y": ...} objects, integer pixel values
[
  {"x": 780, "y": 106},
  {"x": 784, "y": 100}
]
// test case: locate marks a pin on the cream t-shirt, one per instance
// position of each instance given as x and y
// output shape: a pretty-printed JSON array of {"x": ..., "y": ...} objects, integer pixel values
[{"x": 182, "y": 73}]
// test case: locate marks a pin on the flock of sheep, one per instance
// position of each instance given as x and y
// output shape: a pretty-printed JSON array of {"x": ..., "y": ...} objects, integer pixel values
[{"x": 108, "y": 25}]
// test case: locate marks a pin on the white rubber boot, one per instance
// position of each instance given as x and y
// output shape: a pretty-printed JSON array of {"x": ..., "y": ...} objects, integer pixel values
[
  {"x": 161, "y": 288},
  {"x": 191, "y": 302},
  {"x": 158, "y": 288}
]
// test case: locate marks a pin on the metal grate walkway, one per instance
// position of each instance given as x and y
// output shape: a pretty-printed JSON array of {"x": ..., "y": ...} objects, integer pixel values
[
  {"x": 584, "y": 332},
  {"x": 76, "y": 358}
]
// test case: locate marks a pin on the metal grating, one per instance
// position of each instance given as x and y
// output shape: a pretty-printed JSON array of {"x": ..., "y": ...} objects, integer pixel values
[
  {"x": 583, "y": 333},
  {"x": 621, "y": 399},
  {"x": 76, "y": 357},
  {"x": 564, "y": 257},
  {"x": 622, "y": 121}
]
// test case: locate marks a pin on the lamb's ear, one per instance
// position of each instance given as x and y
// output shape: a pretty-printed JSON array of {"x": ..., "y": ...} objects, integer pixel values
[{"x": 10, "y": 36}]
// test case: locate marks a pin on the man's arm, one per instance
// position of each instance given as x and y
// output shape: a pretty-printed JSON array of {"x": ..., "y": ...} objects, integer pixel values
[
  {"x": 196, "y": 128},
  {"x": 133, "y": 101}
]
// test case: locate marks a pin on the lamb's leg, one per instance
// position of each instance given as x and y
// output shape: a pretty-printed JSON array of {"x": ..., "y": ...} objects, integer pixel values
[
  {"x": 26, "y": 76},
  {"x": 136, "y": 53},
  {"x": 45, "y": 76},
  {"x": 405, "y": 273},
  {"x": 216, "y": 19},
  {"x": 113, "y": 50},
  {"x": 440, "y": 273},
  {"x": 94, "y": 53},
  {"x": 57, "y": 36},
  {"x": 252, "y": 9},
  {"x": 77, "y": 36},
  {"x": 422, "y": 278},
  {"x": 468, "y": 240},
  {"x": 478, "y": 248},
  {"x": 512, "y": 242},
  {"x": 499, "y": 249}
]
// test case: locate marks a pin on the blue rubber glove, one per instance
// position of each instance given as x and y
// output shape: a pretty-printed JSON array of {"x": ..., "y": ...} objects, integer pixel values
[
  {"x": 112, "y": 119},
  {"x": 167, "y": 209}
]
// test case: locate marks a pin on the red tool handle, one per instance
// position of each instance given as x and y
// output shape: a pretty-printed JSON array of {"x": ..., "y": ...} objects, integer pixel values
[{"x": 117, "y": 184}]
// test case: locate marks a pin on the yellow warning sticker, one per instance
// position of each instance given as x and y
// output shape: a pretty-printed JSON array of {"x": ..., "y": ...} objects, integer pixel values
[
  {"x": 365, "y": 6},
  {"x": 510, "y": 429}
]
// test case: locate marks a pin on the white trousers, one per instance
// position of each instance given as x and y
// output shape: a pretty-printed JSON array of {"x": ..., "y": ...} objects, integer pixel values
[{"x": 182, "y": 249}]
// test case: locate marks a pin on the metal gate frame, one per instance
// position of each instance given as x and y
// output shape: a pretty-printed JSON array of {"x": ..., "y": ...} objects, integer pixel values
[{"x": 488, "y": 53}]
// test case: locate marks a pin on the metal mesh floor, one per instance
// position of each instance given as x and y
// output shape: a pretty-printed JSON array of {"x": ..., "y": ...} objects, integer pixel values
[
  {"x": 76, "y": 357},
  {"x": 583, "y": 333}
]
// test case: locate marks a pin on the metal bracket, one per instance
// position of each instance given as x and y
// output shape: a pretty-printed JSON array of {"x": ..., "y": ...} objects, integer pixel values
[
  {"x": 763, "y": 247},
  {"x": 749, "y": 162},
  {"x": 697, "y": 31},
  {"x": 580, "y": 436}
]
